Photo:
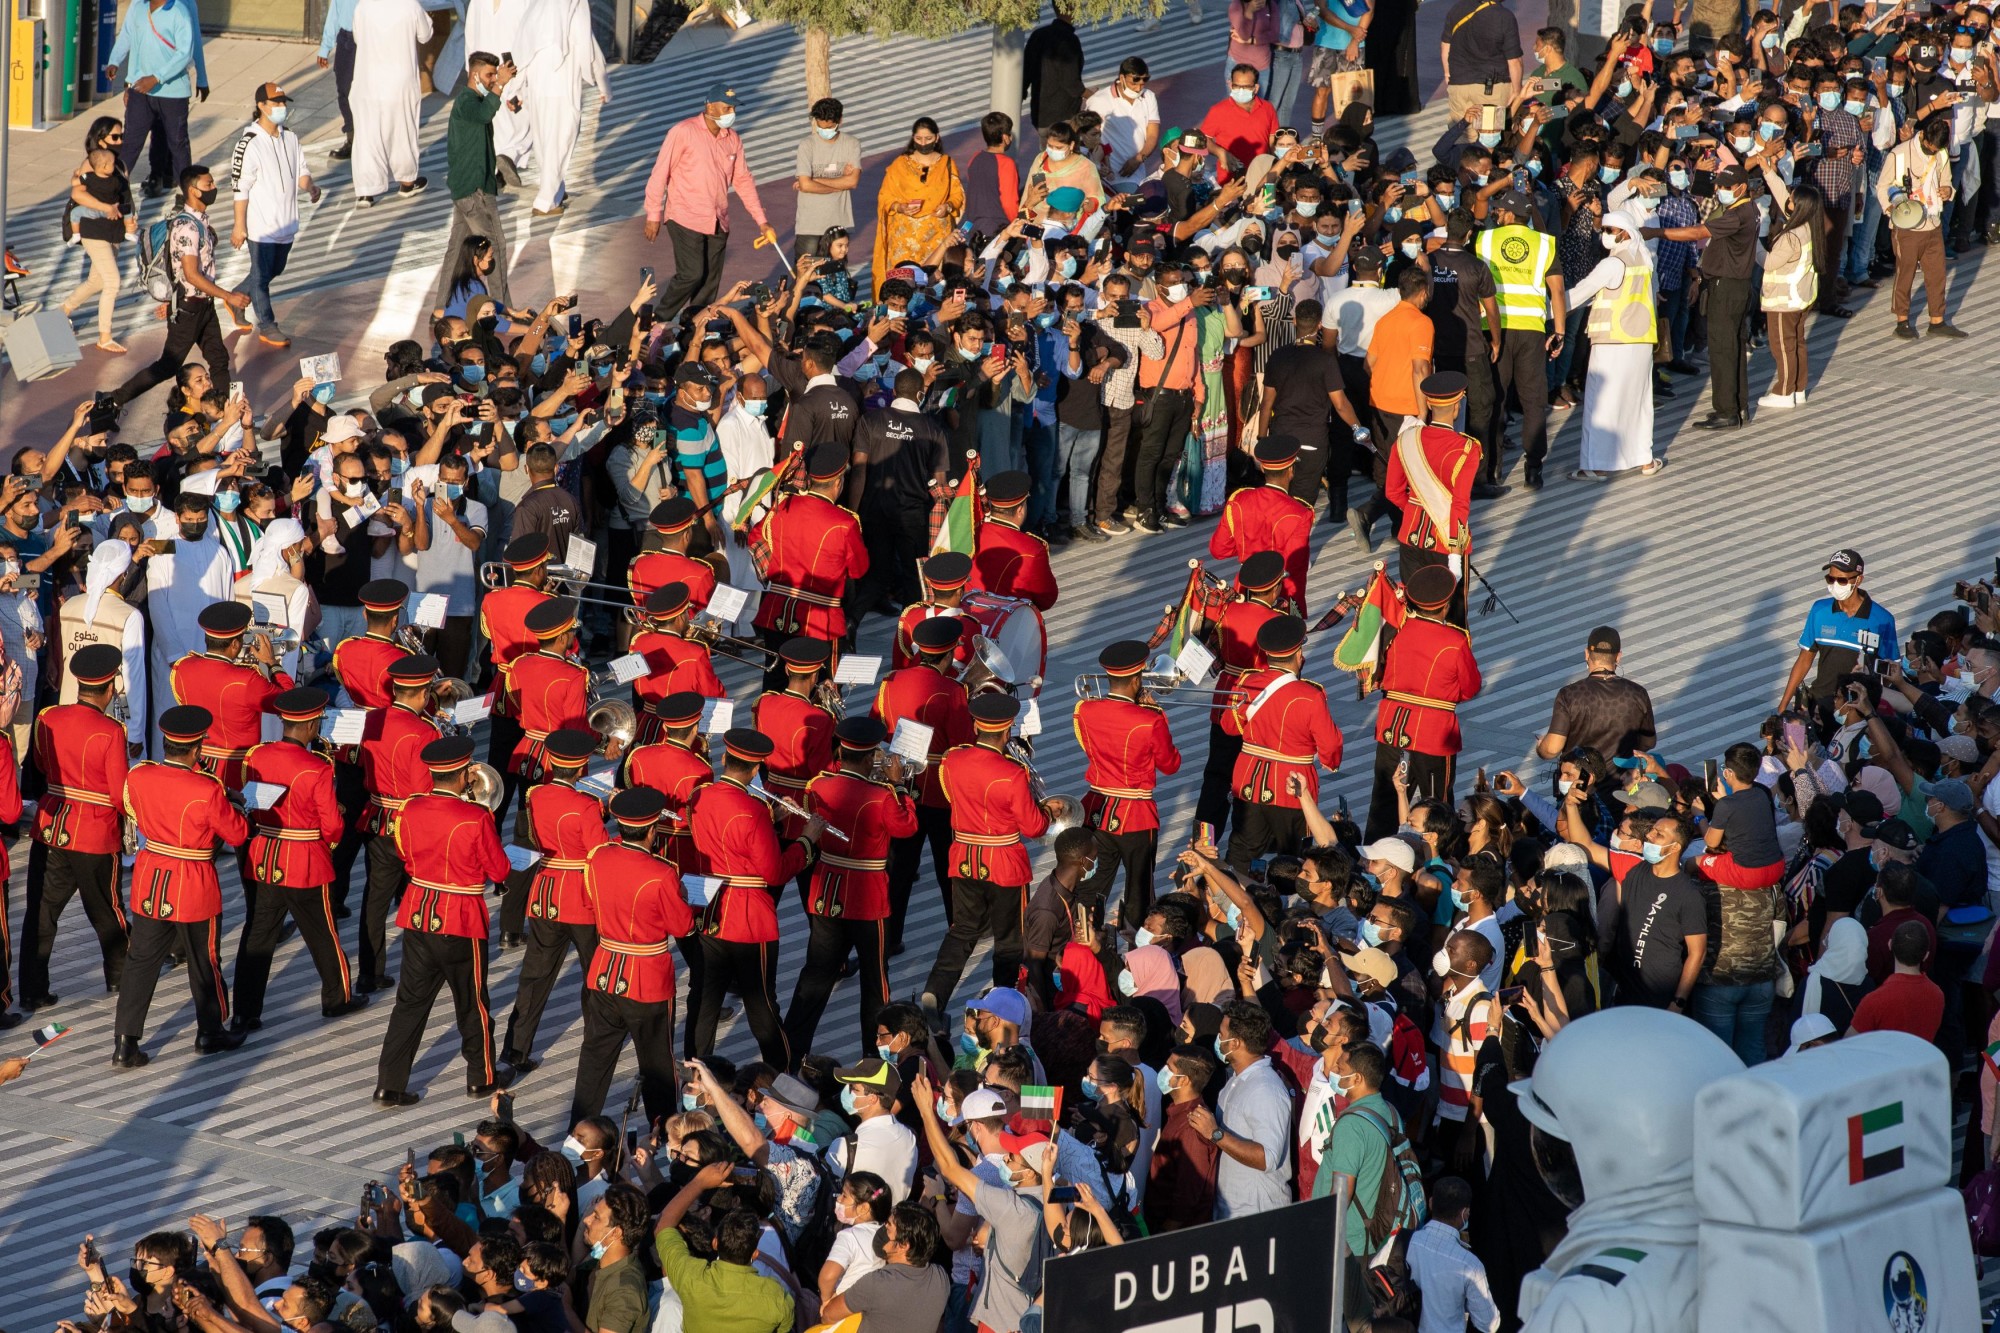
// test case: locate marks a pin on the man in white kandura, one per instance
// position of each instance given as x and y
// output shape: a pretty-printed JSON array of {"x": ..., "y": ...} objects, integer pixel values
[{"x": 388, "y": 98}]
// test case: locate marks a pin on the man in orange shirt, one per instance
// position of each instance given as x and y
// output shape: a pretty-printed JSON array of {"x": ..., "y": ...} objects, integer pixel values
[
  {"x": 1399, "y": 359},
  {"x": 1168, "y": 390}
]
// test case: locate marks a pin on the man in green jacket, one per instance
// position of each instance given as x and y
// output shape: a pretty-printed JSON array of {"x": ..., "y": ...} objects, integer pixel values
[
  {"x": 473, "y": 174},
  {"x": 724, "y": 1294}
]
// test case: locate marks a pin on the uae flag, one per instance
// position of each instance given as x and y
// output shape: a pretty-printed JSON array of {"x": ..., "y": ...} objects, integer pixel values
[
  {"x": 1992, "y": 1057},
  {"x": 43, "y": 1036},
  {"x": 1874, "y": 1143},
  {"x": 955, "y": 524},
  {"x": 1360, "y": 649},
  {"x": 1040, "y": 1103}
]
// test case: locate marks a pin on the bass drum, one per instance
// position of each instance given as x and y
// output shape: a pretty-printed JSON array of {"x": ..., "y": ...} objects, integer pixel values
[{"x": 1013, "y": 625}]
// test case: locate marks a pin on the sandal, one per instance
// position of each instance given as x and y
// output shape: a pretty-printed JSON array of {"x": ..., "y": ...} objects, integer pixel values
[
  {"x": 111, "y": 345},
  {"x": 1653, "y": 468},
  {"x": 1585, "y": 474}
]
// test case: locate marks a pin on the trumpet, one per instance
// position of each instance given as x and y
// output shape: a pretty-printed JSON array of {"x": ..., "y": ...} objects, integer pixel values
[
  {"x": 707, "y": 631},
  {"x": 410, "y": 638},
  {"x": 484, "y": 785},
  {"x": 792, "y": 807},
  {"x": 1068, "y": 813},
  {"x": 826, "y": 695},
  {"x": 282, "y": 638},
  {"x": 912, "y": 771}
]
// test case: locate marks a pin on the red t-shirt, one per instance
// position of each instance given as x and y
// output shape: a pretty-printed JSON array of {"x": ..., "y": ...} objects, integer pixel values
[
  {"x": 1904, "y": 1002},
  {"x": 1240, "y": 131}
]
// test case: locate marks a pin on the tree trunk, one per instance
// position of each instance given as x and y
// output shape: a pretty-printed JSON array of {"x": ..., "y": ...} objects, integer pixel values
[{"x": 819, "y": 63}]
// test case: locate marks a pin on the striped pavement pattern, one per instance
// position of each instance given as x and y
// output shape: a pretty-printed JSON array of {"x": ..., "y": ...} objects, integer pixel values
[{"x": 1707, "y": 569}]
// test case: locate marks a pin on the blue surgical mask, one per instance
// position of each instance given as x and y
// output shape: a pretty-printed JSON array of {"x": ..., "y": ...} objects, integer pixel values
[
  {"x": 968, "y": 1043},
  {"x": 762, "y": 1122},
  {"x": 1232, "y": 915},
  {"x": 1490, "y": 139},
  {"x": 1769, "y": 130},
  {"x": 1677, "y": 178},
  {"x": 1067, "y": 268},
  {"x": 1047, "y": 319},
  {"x": 557, "y": 343},
  {"x": 1961, "y": 55},
  {"x": 1371, "y": 934},
  {"x": 522, "y": 1282},
  {"x": 228, "y": 502},
  {"x": 1460, "y": 899},
  {"x": 1142, "y": 937},
  {"x": 1741, "y": 145},
  {"x": 1608, "y": 175},
  {"x": 1725, "y": 196},
  {"x": 1770, "y": 40},
  {"x": 1412, "y": 248},
  {"x": 756, "y": 407},
  {"x": 1854, "y": 108},
  {"x": 725, "y": 120},
  {"x": 1092, "y": 1091},
  {"x": 1535, "y": 166},
  {"x": 451, "y": 490},
  {"x": 887, "y": 1056},
  {"x": 322, "y": 393},
  {"x": 1663, "y": 45},
  {"x": 472, "y": 374},
  {"x": 1219, "y": 1054},
  {"x": 655, "y": 396},
  {"x": 1164, "y": 1081},
  {"x": 139, "y": 504},
  {"x": 825, "y": 133},
  {"x": 1896, "y": 91},
  {"x": 1624, "y": 88},
  {"x": 847, "y": 1099},
  {"x": 1306, "y": 207},
  {"x": 597, "y": 1250},
  {"x": 538, "y": 364},
  {"x": 1447, "y": 200},
  {"x": 1652, "y": 852},
  {"x": 562, "y": 423},
  {"x": 1126, "y": 984},
  {"x": 1393, "y": 213},
  {"x": 1828, "y": 101},
  {"x": 690, "y": 1100}
]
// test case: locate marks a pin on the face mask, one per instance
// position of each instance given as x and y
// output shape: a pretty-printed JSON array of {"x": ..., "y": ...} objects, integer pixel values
[
  {"x": 847, "y": 1100},
  {"x": 398, "y": 465},
  {"x": 655, "y": 396},
  {"x": 1663, "y": 45},
  {"x": 1610, "y": 241},
  {"x": 1960, "y": 55},
  {"x": 1840, "y": 592},
  {"x": 472, "y": 374},
  {"x": 322, "y": 394},
  {"x": 1306, "y": 207},
  {"x": 1563, "y": 785},
  {"x": 1142, "y": 937},
  {"x": 451, "y": 490},
  {"x": 1677, "y": 178},
  {"x": 842, "y": 1213},
  {"x": 1770, "y": 40},
  {"x": 139, "y": 504},
  {"x": 1067, "y": 268},
  {"x": 968, "y": 1043},
  {"x": 1126, "y": 985},
  {"x": 1177, "y": 293},
  {"x": 280, "y": 114},
  {"x": 1460, "y": 899},
  {"x": 597, "y": 1250},
  {"x": 945, "y": 1112},
  {"x": 1220, "y": 1054},
  {"x": 1853, "y": 108},
  {"x": 725, "y": 120},
  {"x": 1412, "y": 248},
  {"x": 1479, "y": 179},
  {"x": 1769, "y": 130},
  {"x": 1242, "y": 96},
  {"x": 1393, "y": 213},
  {"x": 1447, "y": 201},
  {"x": 562, "y": 423},
  {"x": 1896, "y": 91},
  {"x": 1624, "y": 88},
  {"x": 1285, "y": 253},
  {"x": 756, "y": 407},
  {"x": 1057, "y": 154},
  {"x": 825, "y": 133},
  {"x": 701, "y": 404},
  {"x": 1653, "y": 852},
  {"x": 1371, "y": 934},
  {"x": 690, "y": 1101},
  {"x": 1490, "y": 139},
  {"x": 572, "y": 1148},
  {"x": 228, "y": 501},
  {"x": 207, "y": 196},
  {"x": 1535, "y": 167},
  {"x": 522, "y": 1282},
  {"x": 1740, "y": 145},
  {"x": 1725, "y": 196},
  {"x": 1327, "y": 239},
  {"x": 1828, "y": 101},
  {"x": 1608, "y": 174}
]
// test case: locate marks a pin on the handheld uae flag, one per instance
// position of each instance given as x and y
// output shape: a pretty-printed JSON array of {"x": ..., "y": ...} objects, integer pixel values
[
  {"x": 43, "y": 1036},
  {"x": 762, "y": 483},
  {"x": 1875, "y": 1142},
  {"x": 1039, "y": 1102},
  {"x": 1360, "y": 649},
  {"x": 1992, "y": 1057},
  {"x": 956, "y": 528}
]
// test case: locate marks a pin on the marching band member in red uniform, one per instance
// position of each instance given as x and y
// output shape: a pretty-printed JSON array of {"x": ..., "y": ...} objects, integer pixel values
[
  {"x": 393, "y": 770},
  {"x": 1259, "y": 585},
  {"x": 80, "y": 752},
  {"x": 503, "y": 622},
  {"x": 674, "y": 662},
  {"x": 801, "y": 731},
  {"x": 290, "y": 861},
  {"x": 546, "y": 690},
  {"x": 1286, "y": 729},
  {"x": 236, "y": 689},
  {"x": 1270, "y": 518},
  {"x": 628, "y": 983},
  {"x": 667, "y": 561},
  {"x": 454, "y": 853},
  {"x": 734, "y": 835},
  {"x": 676, "y": 766},
  {"x": 929, "y": 693},
  {"x": 1125, "y": 737},
  {"x": 1427, "y": 671},
  {"x": 816, "y": 549},
  {"x": 1431, "y": 473},
  {"x": 946, "y": 575},
  {"x": 848, "y": 904},
  {"x": 991, "y": 797},
  {"x": 1009, "y": 561},
  {"x": 181, "y": 812},
  {"x": 565, "y": 825},
  {"x": 361, "y": 664}
]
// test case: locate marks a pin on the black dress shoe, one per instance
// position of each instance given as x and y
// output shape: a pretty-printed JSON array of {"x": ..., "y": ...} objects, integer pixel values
[
  {"x": 1838, "y": 312},
  {"x": 215, "y": 1043},
  {"x": 1488, "y": 490},
  {"x": 368, "y": 984},
  {"x": 1532, "y": 477},
  {"x": 1720, "y": 421},
  {"x": 523, "y": 1064},
  {"x": 30, "y": 1003},
  {"x": 9, "y": 1020},
  {"x": 342, "y": 911},
  {"x": 125, "y": 1053},
  {"x": 345, "y": 151},
  {"x": 246, "y": 1025},
  {"x": 510, "y": 940},
  {"x": 357, "y": 1001},
  {"x": 384, "y": 1097},
  {"x": 502, "y": 1077}
]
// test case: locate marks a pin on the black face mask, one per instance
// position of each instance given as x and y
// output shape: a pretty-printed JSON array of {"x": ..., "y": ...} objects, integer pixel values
[
  {"x": 680, "y": 1174},
  {"x": 1285, "y": 252},
  {"x": 880, "y": 1244},
  {"x": 207, "y": 196},
  {"x": 194, "y": 532}
]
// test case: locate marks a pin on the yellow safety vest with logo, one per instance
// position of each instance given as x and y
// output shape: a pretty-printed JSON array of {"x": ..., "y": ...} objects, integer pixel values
[
  {"x": 1624, "y": 314},
  {"x": 1520, "y": 258}
]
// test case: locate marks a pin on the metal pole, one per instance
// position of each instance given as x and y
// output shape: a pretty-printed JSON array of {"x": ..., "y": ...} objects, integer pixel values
[
  {"x": 6, "y": 108},
  {"x": 1342, "y": 1200},
  {"x": 621, "y": 29},
  {"x": 1009, "y": 46}
]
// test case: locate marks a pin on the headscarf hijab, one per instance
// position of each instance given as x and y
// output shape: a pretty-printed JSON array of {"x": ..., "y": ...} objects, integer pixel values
[
  {"x": 1844, "y": 960},
  {"x": 108, "y": 563},
  {"x": 267, "y": 557},
  {"x": 1153, "y": 974},
  {"x": 1208, "y": 980}
]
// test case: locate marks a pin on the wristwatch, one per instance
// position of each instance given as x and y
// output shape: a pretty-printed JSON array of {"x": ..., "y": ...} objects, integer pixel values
[{"x": 1216, "y": 1137}]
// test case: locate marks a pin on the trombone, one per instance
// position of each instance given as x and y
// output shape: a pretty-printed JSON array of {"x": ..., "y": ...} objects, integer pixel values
[
  {"x": 573, "y": 584},
  {"x": 1163, "y": 681},
  {"x": 707, "y": 631}
]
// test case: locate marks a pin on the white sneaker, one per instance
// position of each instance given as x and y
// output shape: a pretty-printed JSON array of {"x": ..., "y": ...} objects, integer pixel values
[
  {"x": 1799, "y": 398},
  {"x": 1776, "y": 400},
  {"x": 1194, "y": 10}
]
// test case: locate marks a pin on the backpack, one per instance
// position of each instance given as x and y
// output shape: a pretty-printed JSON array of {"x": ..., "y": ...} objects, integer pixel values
[
  {"x": 1400, "y": 1208},
  {"x": 156, "y": 259},
  {"x": 815, "y": 1239}
]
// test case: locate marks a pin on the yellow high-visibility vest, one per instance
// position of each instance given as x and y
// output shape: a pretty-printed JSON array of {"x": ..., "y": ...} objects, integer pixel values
[
  {"x": 1520, "y": 258},
  {"x": 1624, "y": 314}
]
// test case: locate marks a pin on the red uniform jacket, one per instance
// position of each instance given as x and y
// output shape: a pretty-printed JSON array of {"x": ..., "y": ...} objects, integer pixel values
[
  {"x": 1236, "y": 646},
  {"x": 567, "y": 825},
  {"x": 180, "y": 813},
  {"x": 992, "y": 809},
  {"x": 925, "y": 694},
  {"x": 1013, "y": 564},
  {"x": 815, "y": 549},
  {"x": 674, "y": 771},
  {"x": 637, "y": 900},
  {"x": 1287, "y": 730},
  {"x": 802, "y": 733},
  {"x": 1427, "y": 671},
  {"x": 1455, "y": 459},
  {"x": 392, "y": 763},
  {"x": 503, "y": 619},
  {"x": 1268, "y": 518},
  {"x": 1127, "y": 744},
  {"x": 904, "y": 652},
  {"x": 550, "y": 692},
  {"x": 291, "y": 844},
  {"x": 656, "y": 569},
  {"x": 239, "y": 696},
  {"x": 851, "y": 879},
  {"x": 673, "y": 664},
  {"x": 10, "y": 802},
  {"x": 735, "y": 839},
  {"x": 453, "y": 852},
  {"x": 81, "y": 754},
  {"x": 362, "y": 663}
]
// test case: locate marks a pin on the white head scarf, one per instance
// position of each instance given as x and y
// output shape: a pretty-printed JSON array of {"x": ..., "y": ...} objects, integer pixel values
[
  {"x": 1844, "y": 960},
  {"x": 1632, "y": 249},
  {"x": 108, "y": 563},
  {"x": 267, "y": 557}
]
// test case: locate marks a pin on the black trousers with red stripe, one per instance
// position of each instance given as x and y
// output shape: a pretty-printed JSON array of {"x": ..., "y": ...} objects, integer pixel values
[
  {"x": 430, "y": 963},
  {"x": 56, "y": 875},
  {"x": 548, "y": 942},
  {"x": 607, "y": 1021},
  {"x": 152, "y": 940},
  {"x": 751, "y": 970},
  {"x": 388, "y": 877},
  {"x": 905, "y": 855},
  {"x": 828, "y": 944},
  {"x": 313, "y": 910}
]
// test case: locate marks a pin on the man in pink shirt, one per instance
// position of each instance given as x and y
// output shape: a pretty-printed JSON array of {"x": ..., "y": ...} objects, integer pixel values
[
  {"x": 699, "y": 163},
  {"x": 1241, "y": 125}
]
